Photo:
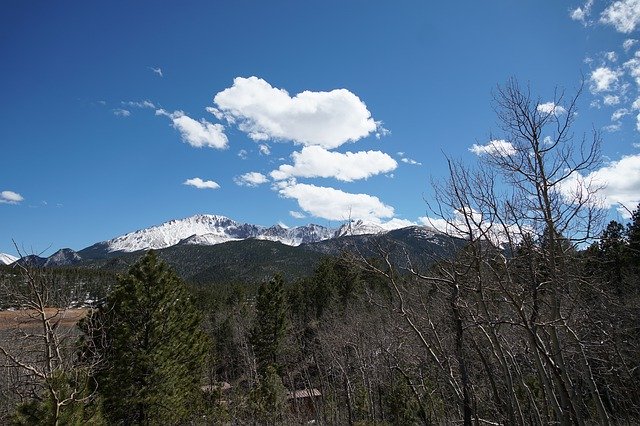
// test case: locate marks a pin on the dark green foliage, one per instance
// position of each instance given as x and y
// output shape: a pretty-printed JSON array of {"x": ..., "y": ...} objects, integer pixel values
[
  {"x": 42, "y": 411},
  {"x": 268, "y": 398},
  {"x": 401, "y": 404},
  {"x": 152, "y": 346},
  {"x": 270, "y": 325}
]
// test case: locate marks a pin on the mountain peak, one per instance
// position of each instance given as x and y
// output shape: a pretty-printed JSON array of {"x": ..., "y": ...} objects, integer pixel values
[{"x": 7, "y": 259}]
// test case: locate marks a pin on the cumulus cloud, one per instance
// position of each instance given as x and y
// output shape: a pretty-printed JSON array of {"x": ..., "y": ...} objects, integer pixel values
[
  {"x": 315, "y": 161},
  {"x": 551, "y": 108},
  {"x": 201, "y": 184},
  {"x": 243, "y": 154},
  {"x": 252, "y": 179},
  {"x": 10, "y": 197},
  {"x": 603, "y": 79},
  {"x": 624, "y": 15},
  {"x": 582, "y": 13},
  {"x": 334, "y": 204},
  {"x": 494, "y": 147},
  {"x": 620, "y": 182},
  {"x": 120, "y": 112},
  {"x": 296, "y": 215},
  {"x": 197, "y": 133},
  {"x": 264, "y": 112}
]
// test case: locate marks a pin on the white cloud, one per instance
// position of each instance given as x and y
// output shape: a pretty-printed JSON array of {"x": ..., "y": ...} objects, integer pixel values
[
  {"x": 624, "y": 15},
  {"x": 10, "y": 197},
  {"x": 243, "y": 154},
  {"x": 611, "y": 100},
  {"x": 334, "y": 204},
  {"x": 197, "y": 133},
  {"x": 613, "y": 127},
  {"x": 410, "y": 161},
  {"x": 494, "y": 147},
  {"x": 264, "y": 149},
  {"x": 633, "y": 67},
  {"x": 611, "y": 56},
  {"x": 628, "y": 44},
  {"x": 327, "y": 119},
  {"x": 551, "y": 108},
  {"x": 638, "y": 122},
  {"x": 157, "y": 71},
  {"x": 315, "y": 161},
  {"x": 636, "y": 104},
  {"x": 296, "y": 215},
  {"x": 603, "y": 78},
  {"x": 120, "y": 112},
  {"x": 140, "y": 104},
  {"x": 252, "y": 179},
  {"x": 620, "y": 181},
  {"x": 619, "y": 113},
  {"x": 201, "y": 184},
  {"x": 581, "y": 13}
]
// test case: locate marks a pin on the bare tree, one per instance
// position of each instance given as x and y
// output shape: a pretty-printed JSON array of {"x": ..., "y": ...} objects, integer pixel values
[{"x": 39, "y": 342}]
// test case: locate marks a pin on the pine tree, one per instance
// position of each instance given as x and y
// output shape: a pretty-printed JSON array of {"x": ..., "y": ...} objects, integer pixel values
[
  {"x": 152, "y": 346},
  {"x": 270, "y": 324}
]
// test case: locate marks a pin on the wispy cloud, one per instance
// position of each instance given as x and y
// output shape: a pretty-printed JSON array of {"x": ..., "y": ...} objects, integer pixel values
[
  {"x": 10, "y": 197},
  {"x": 121, "y": 112},
  {"x": 139, "y": 104},
  {"x": 157, "y": 71},
  {"x": 197, "y": 133},
  {"x": 264, "y": 112},
  {"x": 201, "y": 184},
  {"x": 296, "y": 215},
  {"x": 315, "y": 161}
]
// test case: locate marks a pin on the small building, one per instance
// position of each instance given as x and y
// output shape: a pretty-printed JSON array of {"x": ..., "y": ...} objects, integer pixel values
[{"x": 304, "y": 402}]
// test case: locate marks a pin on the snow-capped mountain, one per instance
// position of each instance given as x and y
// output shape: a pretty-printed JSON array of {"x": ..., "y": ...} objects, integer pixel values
[
  {"x": 359, "y": 227},
  {"x": 213, "y": 229},
  {"x": 7, "y": 259}
]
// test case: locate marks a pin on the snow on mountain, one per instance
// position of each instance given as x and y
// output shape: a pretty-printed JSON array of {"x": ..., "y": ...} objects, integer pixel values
[
  {"x": 359, "y": 227},
  {"x": 216, "y": 228},
  {"x": 298, "y": 235},
  {"x": 213, "y": 229},
  {"x": 7, "y": 259}
]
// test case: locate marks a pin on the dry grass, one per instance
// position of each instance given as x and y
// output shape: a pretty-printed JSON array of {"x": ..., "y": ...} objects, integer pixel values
[{"x": 28, "y": 318}]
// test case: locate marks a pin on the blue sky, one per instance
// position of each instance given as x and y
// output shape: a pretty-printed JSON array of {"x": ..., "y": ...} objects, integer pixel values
[{"x": 111, "y": 109}]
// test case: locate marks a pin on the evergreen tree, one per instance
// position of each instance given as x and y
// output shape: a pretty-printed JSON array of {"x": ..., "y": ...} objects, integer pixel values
[
  {"x": 152, "y": 347},
  {"x": 633, "y": 237},
  {"x": 270, "y": 324}
]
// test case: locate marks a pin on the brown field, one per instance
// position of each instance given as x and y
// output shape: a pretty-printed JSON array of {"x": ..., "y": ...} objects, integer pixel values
[{"x": 28, "y": 318}]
